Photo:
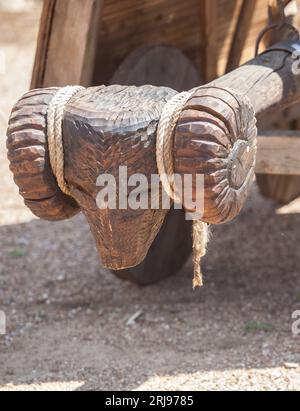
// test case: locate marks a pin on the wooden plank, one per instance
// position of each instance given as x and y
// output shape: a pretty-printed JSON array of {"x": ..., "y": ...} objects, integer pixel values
[
  {"x": 208, "y": 39},
  {"x": 228, "y": 14},
  {"x": 43, "y": 43},
  {"x": 282, "y": 187},
  {"x": 67, "y": 43},
  {"x": 131, "y": 24},
  {"x": 240, "y": 35},
  {"x": 279, "y": 153}
]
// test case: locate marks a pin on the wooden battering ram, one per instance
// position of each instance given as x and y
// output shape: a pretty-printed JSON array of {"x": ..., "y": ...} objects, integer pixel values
[{"x": 106, "y": 127}]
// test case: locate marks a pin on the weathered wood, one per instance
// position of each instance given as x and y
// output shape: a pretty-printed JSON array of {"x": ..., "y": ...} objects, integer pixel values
[
  {"x": 67, "y": 56},
  {"x": 128, "y": 24},
  {"x": 240, "y": 34},
  {"x": 281, "y": 188},
  {"x": 208, "y": 39},
  {"x": 29, "y": 158},
  {"x": 279, "y": 153},
  {"x": 278, "y": 166},
  {"x": 228, "y": 14},
  {"x": 40, "y": 62},
  {"x": 268, "y": 81},
  {"x": 216, "y": 137}
]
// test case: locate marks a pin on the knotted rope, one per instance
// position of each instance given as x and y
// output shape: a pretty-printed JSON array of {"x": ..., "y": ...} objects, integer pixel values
[
  {"x": 55, "y": 118},
  {"x": 165, "y": 164}
]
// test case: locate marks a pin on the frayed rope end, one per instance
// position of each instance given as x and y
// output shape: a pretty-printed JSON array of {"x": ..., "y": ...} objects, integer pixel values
[
  {"x": 198, "y": 277},
  {"x": 200, "y": 241}
]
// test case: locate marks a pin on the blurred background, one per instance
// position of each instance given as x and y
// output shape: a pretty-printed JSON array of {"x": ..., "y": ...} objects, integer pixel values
[{"x": 72, "y": 325}]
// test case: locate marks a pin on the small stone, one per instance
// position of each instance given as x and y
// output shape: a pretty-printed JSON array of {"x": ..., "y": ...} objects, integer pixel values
[
  {"x": 133, "y": 319},
  {"x": 43, "y": 299},
  {"x": 291, "y": 365}
]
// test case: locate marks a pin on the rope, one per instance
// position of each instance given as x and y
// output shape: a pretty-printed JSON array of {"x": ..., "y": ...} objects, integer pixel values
[
  {"x": 165, "y": 164},
  {"x": 55, "y": 118}
]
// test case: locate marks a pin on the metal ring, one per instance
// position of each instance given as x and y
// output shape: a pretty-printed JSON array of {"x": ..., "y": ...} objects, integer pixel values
[{"x": 276, "y": 27}]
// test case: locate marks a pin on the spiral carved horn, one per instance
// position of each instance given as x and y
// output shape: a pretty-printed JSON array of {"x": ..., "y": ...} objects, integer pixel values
[
  {"x": 29, "y": 158},
  {"x": 216, "y": 137}
]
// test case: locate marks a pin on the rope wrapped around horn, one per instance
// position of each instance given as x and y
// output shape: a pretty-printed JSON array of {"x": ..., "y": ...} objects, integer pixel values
[
  {"x": 28, "y": 153},
  {"x": 216, "y": 137}
]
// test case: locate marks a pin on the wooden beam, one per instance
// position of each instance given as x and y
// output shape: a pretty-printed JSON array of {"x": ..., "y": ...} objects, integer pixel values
[
  {"x": 208, "y": 39},
  {"x": 240, "y": 35},
  {"x": 67, "y": 43},
  {"x": 279, "y": 153},
  {"x": 268, "y": 81},
  {"x": 210, "y": 121}
]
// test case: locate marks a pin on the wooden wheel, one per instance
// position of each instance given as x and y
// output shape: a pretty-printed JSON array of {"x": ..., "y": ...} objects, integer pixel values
[
  {"x": 169, "y": 252},
  {"x": 157, "y": 66},
  {"x": 280, "y": 188},
  {"x": 173, "y": 245},
  {"x": 281, "y": 181}
]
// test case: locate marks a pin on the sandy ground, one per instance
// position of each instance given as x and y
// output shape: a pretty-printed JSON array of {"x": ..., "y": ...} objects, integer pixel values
[{"x": 67, "y": 317}]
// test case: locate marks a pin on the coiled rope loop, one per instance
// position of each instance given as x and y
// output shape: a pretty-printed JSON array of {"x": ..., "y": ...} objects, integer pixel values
[{"x": 55, "y": 118}]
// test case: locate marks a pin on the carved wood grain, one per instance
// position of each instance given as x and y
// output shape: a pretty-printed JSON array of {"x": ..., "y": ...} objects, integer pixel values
[
  {"x": 106, "y": 127},
  {"x": 216, "y": 138},
  {"x": 29, "y": 159}
]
